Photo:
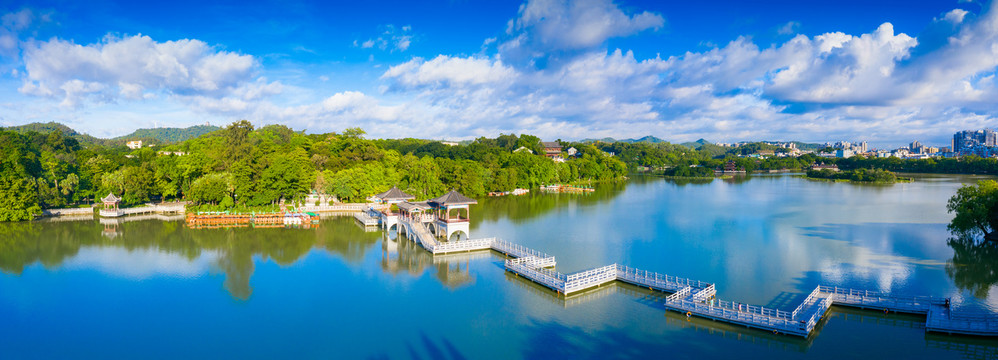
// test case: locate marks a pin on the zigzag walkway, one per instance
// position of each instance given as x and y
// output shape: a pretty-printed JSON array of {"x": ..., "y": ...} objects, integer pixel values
[{"x": 697, "y": 298}]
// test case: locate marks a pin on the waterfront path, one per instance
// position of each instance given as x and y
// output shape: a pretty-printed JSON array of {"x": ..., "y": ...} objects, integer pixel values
[{"x": 698, "y": 298}]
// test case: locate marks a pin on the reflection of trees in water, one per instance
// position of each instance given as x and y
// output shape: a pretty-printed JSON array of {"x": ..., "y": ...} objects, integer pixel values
[
  {"x": 22, "y": 244},
  {"x": 974, "y": 265},
  {"x": 536, "y": 203},
  {"x": 684, "y": 182}
]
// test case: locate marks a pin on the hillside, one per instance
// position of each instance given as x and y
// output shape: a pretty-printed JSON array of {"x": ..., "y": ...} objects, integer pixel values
[
  {"x": 157, "y": 135},
  {"x": 169, "y": 135},
  {"x": 646, "y": 139},
  {"x": 696, "y": 144},
  {"x": 54, "y": 126}
]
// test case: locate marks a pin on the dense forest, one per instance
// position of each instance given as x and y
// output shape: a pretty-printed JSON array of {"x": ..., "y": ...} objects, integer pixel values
[
  {"x": 664, "y": 155},
  {"x": 242, "y": 166},
  {"x": 858, "y": 175}
]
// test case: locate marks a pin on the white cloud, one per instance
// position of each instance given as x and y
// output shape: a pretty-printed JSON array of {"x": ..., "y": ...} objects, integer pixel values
[
  {"x": 391, "y": 38},
  {"x": 543, "y": 27},
  {"x": 789, "y": 28},
  {"x": 131, "y": 66},
  {"x": 880, "y": 85},
  {"x": 449, "y": 71}
]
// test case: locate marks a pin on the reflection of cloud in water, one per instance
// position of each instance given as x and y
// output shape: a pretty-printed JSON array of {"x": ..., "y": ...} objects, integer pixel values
[{"x": 141, "y": 263}]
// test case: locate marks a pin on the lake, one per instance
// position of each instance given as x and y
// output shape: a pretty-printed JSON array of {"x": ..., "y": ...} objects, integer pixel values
[{"x": 157, "y": 289}]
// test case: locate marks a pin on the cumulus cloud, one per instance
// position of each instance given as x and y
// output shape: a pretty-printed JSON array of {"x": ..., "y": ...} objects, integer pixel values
[
  {"x": 135, "y": 66},
  {"x": 546, "y": 27},
  {"x": 552, "y": 75},
  {"x": 876, "y": 84}
]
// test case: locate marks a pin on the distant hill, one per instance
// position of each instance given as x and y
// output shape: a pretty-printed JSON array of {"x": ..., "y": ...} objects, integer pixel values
[
  {"x": 157, "y": 135},
  {"x": 169, "y": 135},
  {"x": 44, "y": 128},
  {"x": 54, "y": 126},
  {"x": 696, "y": 144},
  {"x": 646, "y": 139}
]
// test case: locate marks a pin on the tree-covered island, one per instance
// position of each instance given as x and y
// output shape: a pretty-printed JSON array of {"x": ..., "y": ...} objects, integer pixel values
[{"x": 873, "y": 176}]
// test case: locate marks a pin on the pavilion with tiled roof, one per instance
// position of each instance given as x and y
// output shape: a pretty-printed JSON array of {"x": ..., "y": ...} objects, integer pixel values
[
  {"x": 110, "y": 201},
  {"x": 446, "y": 204},
  {"x": 394, "y": 195}
]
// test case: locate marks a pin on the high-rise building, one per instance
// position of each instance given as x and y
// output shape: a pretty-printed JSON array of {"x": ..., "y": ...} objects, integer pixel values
[{"x": 967, "y": 140}]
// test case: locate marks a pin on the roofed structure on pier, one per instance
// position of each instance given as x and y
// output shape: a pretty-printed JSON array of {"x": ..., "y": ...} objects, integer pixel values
[
  {"x": 110, "y": 200},
  {"x": 452, "y": 198},
  {"x": 394, "y": 195},
  {"x": 413, "y": 206},
  {"x": 448, "y": 206}
]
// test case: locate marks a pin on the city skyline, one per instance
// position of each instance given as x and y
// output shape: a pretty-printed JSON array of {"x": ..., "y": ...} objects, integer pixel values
[{"x": 889, "y": 73}]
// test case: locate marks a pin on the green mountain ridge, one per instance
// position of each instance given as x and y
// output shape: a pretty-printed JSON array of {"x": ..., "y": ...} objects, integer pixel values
[
  {"x": 154, "y": 135},
  {"x": 646, "y": 139}
]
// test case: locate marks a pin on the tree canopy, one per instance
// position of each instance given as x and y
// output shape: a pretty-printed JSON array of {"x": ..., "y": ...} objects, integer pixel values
[
  {"x": 242, "y": 165},
  {"x": 976, "y": 210}
]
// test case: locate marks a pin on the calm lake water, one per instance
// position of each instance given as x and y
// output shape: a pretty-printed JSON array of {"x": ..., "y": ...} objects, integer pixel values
[{"x": 155, "y": 289}]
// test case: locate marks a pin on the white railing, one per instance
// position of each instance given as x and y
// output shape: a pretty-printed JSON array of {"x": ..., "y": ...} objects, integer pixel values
[
  {"x": 545, "y": 277},
  {"x": 679, "y": 295},
  {"x": 337, "y": 207},
  {"x": 110, "y": 213},
  {"x": 807, "y": 301},
  {"x": 590, "y": 278},
  {"x": 653, "y": 279},
  {"x": 704, "y": 294},
  {"x": 873, "y": 299},
  {"x": 466, "y": 245},
  {"x": 756, "y": 319}
]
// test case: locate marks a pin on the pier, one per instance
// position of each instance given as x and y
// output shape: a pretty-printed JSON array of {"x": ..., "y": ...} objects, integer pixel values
[
  {"x": 424, "y": 222},
  {"x": 698, "y": 298}
]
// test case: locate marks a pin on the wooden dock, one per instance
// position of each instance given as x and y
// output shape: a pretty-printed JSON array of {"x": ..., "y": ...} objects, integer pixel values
[{"x": 698, "y": 298}]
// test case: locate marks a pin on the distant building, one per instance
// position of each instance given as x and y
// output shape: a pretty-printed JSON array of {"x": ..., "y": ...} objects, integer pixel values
[
  {"x": 842, "y": 153},
  {"x": 966, "y": 141},
  {"x": 168, "y": 153},
  {"x": 551, "y": 149},
  {"x": 571, "y": 151},
  {"x": 831, "y": 167},
  {"x": 523, "y": 148},
  {"x": 135, "y": 144},
  {"x": 449, "y": 143}
]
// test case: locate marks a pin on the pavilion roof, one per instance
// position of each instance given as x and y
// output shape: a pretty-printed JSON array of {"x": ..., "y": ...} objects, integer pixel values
[
  {"x": 394, "y": 194},
  {"x": 551, "y": 144},
  {"x": 413, "y": 206},
  {"x": 453, "y": 198},
  {"x": 110, "y": 198}
]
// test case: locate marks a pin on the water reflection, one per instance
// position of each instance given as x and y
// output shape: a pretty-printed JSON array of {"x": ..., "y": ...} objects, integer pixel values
[
  {"x": 535, "y": 203},
  {"x": 974, "y": 266},
  {"x": 235, "y": 250},
  {"x": 403, "y": 255},
  {"x": 683, "y": 182}
]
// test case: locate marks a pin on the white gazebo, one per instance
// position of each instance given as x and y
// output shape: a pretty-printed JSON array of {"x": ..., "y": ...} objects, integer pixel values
[
  {"x": 110, "y": 206},
  {"x": 448, "y": 209}
]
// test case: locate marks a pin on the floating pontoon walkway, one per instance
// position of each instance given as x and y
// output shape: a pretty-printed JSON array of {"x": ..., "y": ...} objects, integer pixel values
[{"x": 697, "y": 298}]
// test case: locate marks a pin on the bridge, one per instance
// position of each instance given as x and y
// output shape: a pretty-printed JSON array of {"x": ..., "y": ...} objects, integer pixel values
[
  {"x": 698, "y": 298},
  {"x": 148, "y": 209}
]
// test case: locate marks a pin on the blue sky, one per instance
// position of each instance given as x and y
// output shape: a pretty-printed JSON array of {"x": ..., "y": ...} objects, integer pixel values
[{"x": 883, "y": 71}]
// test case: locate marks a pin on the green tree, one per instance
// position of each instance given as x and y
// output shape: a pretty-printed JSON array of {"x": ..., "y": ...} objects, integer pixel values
[
  {"x": 18, "y": 199},
  {"x": 976, "y": 210}
]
